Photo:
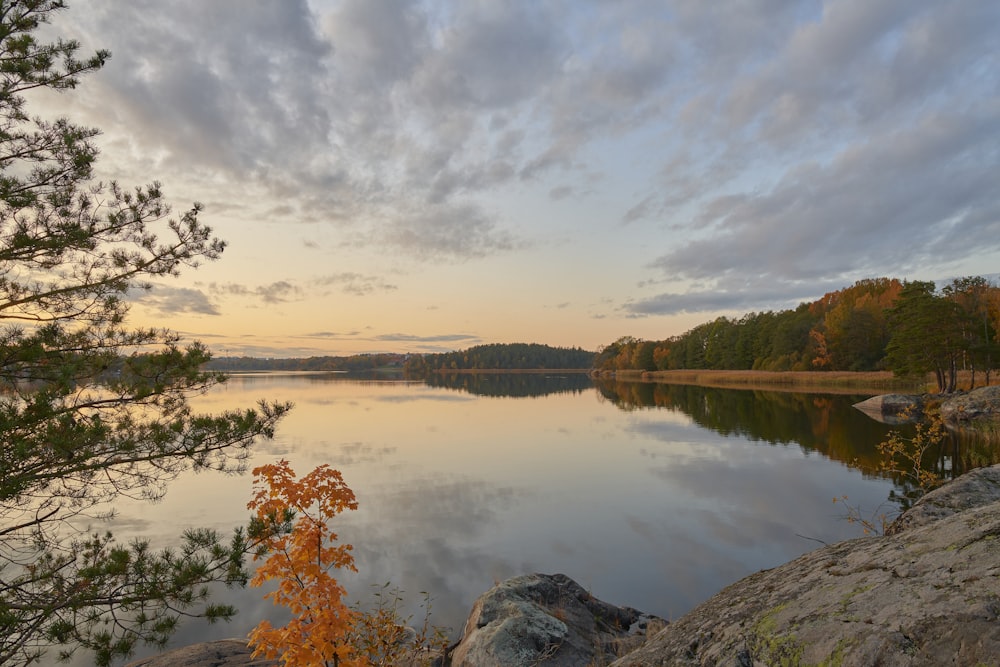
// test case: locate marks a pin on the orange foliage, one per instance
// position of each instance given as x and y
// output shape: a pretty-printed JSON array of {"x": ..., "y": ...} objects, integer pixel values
[
  {"x": 822, "y": 358},
  {"x": 293, "y": 517}
]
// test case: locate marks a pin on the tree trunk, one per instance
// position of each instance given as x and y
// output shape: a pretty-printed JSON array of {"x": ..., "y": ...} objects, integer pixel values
[{"x": 939, "y": 375}]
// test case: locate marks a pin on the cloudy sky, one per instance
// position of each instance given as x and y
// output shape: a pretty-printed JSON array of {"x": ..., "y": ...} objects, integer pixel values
[{"x": 424, "y": 176}]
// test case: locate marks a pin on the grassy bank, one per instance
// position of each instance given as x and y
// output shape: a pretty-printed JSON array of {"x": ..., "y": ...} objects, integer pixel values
[
  {"x": 846, "y": 382},
  {"x": 875, "y": 382}
]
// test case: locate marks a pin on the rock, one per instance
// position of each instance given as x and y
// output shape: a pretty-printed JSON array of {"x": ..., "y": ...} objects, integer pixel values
[
  {"x": 929, "y": 594},
  {"x": 546, "y": 620},
  {"x": 892, "y": 408},
  {"x": 221, "y": 653},
  {"x": 973, "y": 489},
  {"x": 978, "y": 404}
]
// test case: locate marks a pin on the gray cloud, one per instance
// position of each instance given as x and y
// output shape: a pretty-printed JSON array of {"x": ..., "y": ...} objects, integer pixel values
[
  {"x": 703, "y": 301},
  {"x": 439, "y": 338},
  {"x": 277, "y": 292},
  {"x": 796, "y": 140},
  {"x": 209, "y": 82},
  {"x": 933, "y": 188},
  {"x": 356, "y": 283},
  {"x": 732, "y": 293},
  {"x": 453, "y": 230},
  {"x": 168, "y": 300},
  {"x": 561, "y": 192},
  {"x": 334, "y": 334},
  {"x": 887, "y": 118}
]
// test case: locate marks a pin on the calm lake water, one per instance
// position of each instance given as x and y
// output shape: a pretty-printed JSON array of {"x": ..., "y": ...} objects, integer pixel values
[{"x": 652, "y": 496}]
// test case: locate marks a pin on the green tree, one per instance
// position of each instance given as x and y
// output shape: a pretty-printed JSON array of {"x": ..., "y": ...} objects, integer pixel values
[
  {"x": 91, "y": 410},
  {"x": 642, "y": 356},
  {"x": 926, "y": 335},
  {"x": 979, "y": 346}
]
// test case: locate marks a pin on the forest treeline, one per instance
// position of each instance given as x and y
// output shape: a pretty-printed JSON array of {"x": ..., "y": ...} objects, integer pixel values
[
  {"x": 352, "y": 364},
  {"x": 500, "y": 356},
  {"x": 909, "y": 327}
]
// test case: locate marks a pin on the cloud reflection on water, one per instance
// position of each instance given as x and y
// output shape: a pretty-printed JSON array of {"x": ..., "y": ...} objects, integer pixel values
[{"x": 643, "y": 507}]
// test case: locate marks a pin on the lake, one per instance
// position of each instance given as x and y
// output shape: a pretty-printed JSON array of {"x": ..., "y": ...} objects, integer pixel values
[{"x": 649, "y": 495}]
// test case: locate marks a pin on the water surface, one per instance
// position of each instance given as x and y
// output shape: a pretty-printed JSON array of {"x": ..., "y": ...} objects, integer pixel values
[{"x": 652, "y": 496}]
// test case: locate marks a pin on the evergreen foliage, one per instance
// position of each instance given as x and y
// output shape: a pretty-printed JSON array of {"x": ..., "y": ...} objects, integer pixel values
[
  {"x": 356, "y": 363},
  {"x": 499, "y": 356},
  {"x": 91, "y": 410}
]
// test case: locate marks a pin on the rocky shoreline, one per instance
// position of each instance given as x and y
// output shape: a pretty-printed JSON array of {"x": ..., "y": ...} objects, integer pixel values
[
  {"x": 926, "y": 593},
  {"x": 960, "y": 410}
]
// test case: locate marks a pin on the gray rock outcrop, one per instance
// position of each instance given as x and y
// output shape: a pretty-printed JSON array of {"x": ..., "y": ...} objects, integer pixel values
[
  {"x": 892, "y": 408},
  {"x": 546, "y": 621},
  {"x": 929, "y": 594},
  {"x": 977, "y": 488},
  {"x": 978, "y": 404}
]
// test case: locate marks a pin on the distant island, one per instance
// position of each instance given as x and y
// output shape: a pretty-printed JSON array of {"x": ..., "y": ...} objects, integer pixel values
[
  {"x": 357, "y": 363},
  {"x": 494, "y": 357}
]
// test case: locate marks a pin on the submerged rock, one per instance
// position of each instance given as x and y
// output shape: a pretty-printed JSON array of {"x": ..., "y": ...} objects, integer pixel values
[
  {"x": 546, "y": 621},
  {"x": 221, "y": 653},
  {"x": 929, "y": 594}
]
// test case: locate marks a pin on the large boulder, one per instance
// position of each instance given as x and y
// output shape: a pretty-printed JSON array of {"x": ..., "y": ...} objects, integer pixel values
[
  {"x": 892, "y": 408},
  {"x": 978, "y": 488},
  {"x": 929, "y": 594},
  {"x": 977, "y": 405},
  {"x": 546, "y": 621}
]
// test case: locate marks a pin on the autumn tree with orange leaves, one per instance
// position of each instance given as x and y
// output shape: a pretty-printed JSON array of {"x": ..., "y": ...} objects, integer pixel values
[{"x": 300, "y": 552}]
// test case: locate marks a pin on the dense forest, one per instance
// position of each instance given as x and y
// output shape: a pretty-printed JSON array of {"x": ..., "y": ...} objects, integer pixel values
[
  {"x": 505, "y": 356},
  {"x": 354, "y": 363},
  {"x": 910, "y": 328},
  {"x": 500, "y": 356}
]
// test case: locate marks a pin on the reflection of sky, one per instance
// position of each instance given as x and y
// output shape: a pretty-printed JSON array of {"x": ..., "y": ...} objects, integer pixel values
[{"x": 642, "y": 508}]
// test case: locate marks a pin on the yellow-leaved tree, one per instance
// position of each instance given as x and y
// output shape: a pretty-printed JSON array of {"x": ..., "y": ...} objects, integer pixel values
[
  {"x": 292, "y": 518},
  {"x": 299, "y": 551}
]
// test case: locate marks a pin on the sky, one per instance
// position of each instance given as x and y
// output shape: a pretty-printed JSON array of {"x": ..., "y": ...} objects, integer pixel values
[{"x": 398, "y": 176}]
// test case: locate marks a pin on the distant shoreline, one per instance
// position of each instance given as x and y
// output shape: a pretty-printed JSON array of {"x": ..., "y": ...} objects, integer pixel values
[
  {"x": 875, "y": 382},
  {"x": 507, "y": 371},
  {"x": 828, "y": 381}
]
